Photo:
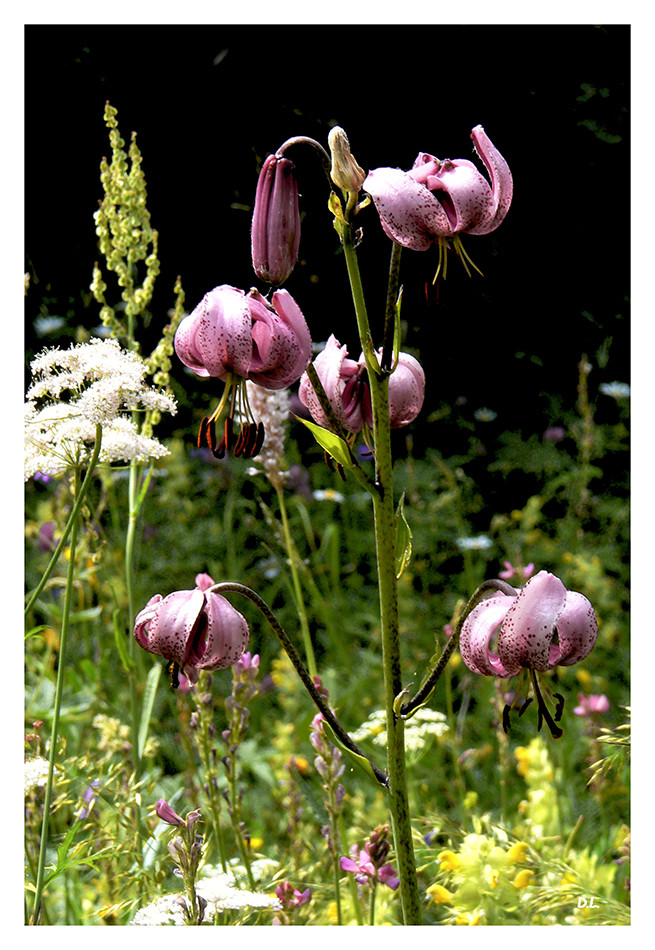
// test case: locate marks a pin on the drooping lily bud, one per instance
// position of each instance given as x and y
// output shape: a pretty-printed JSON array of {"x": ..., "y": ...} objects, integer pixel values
[
  {"x": 345, "y": 172},
  {"x": 195, "y": 629},
  {"x": 275, "y": 236},
  {"x": 543, "y": 626}
]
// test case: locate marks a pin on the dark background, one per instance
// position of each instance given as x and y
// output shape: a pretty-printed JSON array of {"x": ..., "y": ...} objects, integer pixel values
[{"x": 210, "y": 102}]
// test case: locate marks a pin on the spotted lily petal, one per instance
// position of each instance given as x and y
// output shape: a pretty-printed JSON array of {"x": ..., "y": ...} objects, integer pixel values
[
  {"x": 477, "y": 632},
  {"x": 577, "y": 628},
  {"x": 531, "y": 623}
]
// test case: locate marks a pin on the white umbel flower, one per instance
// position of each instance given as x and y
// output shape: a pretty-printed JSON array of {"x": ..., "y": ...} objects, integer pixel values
[
  {"x": 73, "y": 391},
  {"x": 220, "y": 892}
]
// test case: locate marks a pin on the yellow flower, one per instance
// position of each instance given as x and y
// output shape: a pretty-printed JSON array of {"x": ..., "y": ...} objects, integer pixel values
[
  {"x": 517, "y": 852},
  {"x": 448, "y": 861},
  {"x": 522, "y": 756},
  {"x": 439, "y": 894},
  {"x": 523, "y": 879}
]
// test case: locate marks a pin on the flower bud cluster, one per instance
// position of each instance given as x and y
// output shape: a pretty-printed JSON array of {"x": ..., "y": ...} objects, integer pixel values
[{"x": 330, "y": 767}]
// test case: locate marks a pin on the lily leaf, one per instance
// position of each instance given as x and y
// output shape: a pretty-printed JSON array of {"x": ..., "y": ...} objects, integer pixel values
[
  {"x": 359, "y": 760},
  {"x": 403, "y": 539},
  {"x": 333, "y": 444}
]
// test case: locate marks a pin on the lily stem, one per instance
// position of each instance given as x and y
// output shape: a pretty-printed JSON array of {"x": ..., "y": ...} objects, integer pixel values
[
  {"x": 307, "y": 681},
  {"x": 385, "y": 544}
]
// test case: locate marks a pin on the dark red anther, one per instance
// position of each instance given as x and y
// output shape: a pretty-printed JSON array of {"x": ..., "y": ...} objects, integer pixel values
[
  {"x": 211, "y": 436},
  {"x": 259, "y": 440},
  {"x": 241, "y": 438},
  {"x": 202, "y": 432},
  {"x": 229, "y": 433}
]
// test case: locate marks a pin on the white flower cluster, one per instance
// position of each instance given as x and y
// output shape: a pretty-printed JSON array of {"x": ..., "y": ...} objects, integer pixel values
[
  {"x": 74, "y": 390},
  {"x": 418, "y": 730},
  {"x": 270, "y": 406},
  {"x": 220, "y": 892},
  {"x": 36, "y": 773}
]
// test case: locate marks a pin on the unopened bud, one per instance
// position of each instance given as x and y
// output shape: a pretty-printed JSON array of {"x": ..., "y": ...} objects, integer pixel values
[
  {"x": 275, "y": 234},
  {"x": 345, "y": 171}
]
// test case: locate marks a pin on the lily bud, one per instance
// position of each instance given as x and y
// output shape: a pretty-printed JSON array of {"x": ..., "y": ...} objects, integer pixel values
[
  {"x": 345, "y": 171},
  {"x": 275, "y": 236}
]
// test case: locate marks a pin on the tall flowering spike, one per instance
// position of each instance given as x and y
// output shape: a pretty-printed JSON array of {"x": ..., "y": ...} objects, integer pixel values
[
  {"x": 235, "y": 336},
  {"x": 275, "y": 235},
  {"x": 193, "y": 628},
  {"x": 346, "y": 386},
  {"x": 439, "y": 199},
  {"x": 544, "y": 626}
]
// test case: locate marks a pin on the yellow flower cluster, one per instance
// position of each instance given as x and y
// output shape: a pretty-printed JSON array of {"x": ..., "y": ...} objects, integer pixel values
[{"x": 483, "y": 880}]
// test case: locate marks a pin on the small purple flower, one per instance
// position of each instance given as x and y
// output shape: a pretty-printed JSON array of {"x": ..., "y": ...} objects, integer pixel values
[
  {"x": 167, "y": 814},
  {"x": 291, "y": 897},
  {"x": 367, "y": 864},
  {"x": 591, "y": 705}
]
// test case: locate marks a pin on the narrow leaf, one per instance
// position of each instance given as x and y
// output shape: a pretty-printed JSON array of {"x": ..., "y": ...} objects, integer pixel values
[
  {"x": 333, "y": 444},
  {"x": 403, "y": 539},
  {"x": 148, "y": 702}
]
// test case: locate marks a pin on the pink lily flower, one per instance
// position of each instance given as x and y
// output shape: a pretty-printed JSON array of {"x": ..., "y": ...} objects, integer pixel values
[
  {"x": 235, "y": 336},
  {"x": 346, "y": 386},
  {"x": 276, "y": 221},
  {"x": 544, "y": 626},
  {"x": 193, "y": 629},
  {"x": 436, "y": 199}
]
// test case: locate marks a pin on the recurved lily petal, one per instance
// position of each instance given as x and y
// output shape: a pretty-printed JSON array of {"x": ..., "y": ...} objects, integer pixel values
[
  {"x": 502, "y": 184},
  {"x": 577, "y": 628},
  {"x": 477, "y": 633},
  {"x": 216, "y": 338},
  {"x": 282, "y": 345},
  {"x": 437, "y": 199}
]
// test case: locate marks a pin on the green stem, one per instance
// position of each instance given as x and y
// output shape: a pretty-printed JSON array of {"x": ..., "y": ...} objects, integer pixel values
[
  {"x": 59, "y": 688},
  {"x": 297, "y": 589},
  {"x": 371, "y": 910},
  {"x": 385, "y": 543},
  {"x": 72, "y": 520},
  {"x": 423, "y": 694},
  {"x": 231, "y": 587}
]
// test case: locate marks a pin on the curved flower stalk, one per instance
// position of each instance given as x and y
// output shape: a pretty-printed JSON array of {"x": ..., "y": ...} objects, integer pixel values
[
  {"x": 235, "y": 336},
  {"x": 440, "y": 199},
  {"x": 543, "y": 626},
  {"x": 195, "y": 629},
  {"x": 346, "y": 386}
]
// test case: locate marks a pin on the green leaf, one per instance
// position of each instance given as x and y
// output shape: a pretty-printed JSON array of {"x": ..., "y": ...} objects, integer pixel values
[
  {"x": 397, "y": 331},
  {"x": 359, "y": 760},
  {"x": 333, "y": 444},
  {"x": 148, "y": 702},
  {"x": 403, "y": 539},
  {"x": 121, "y": 644}
]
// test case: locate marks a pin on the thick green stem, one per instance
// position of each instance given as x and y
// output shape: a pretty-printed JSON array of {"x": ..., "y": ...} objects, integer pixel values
[{"x": 385, "y": 543}]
